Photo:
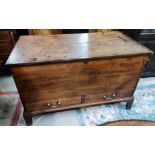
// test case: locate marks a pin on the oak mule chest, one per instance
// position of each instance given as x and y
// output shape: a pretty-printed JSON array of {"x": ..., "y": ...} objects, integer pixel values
[{"x": 60, "y": 72}]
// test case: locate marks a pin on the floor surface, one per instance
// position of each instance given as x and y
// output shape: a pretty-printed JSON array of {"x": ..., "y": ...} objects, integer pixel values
[{"x": 64, "y": 118}]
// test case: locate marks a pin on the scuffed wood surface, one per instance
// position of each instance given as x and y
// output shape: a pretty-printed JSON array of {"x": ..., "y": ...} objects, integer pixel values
[{"x": 67, "y": 47}]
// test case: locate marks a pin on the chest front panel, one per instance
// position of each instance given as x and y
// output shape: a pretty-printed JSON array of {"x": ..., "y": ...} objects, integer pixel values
[{"x": 78, "y": 82}]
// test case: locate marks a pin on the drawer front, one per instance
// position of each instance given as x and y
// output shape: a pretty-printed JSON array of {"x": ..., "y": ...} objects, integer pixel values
[
  {"x": 108, "y": 96},
  {"x": 67, "y": 80},
  {"x": 53, "y": 104}
]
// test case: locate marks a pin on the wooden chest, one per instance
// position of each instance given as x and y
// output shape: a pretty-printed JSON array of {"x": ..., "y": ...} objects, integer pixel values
[{"x": 60, "y": 72}]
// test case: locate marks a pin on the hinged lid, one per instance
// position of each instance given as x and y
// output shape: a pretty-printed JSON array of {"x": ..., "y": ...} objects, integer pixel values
[{"x": 68, "y": 47}]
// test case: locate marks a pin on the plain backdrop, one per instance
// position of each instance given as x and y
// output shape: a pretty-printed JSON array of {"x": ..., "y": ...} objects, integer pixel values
[{"x": 77, "y": 14}]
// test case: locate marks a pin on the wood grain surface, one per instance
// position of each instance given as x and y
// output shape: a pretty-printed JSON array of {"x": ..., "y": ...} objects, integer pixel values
[
  {"x": 69, "y": 82},
  {"x": 38, "y": 49}
]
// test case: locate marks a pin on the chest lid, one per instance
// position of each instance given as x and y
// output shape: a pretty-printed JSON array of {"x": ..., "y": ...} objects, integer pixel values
[{"x": 38, "y": 49}]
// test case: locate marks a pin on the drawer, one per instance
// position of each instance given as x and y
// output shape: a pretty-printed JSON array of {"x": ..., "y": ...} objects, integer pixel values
[
  {"x": 5, "y": 36},
  {"x": 53, "y": 104},
  {"x": 108, "y": 96}
]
